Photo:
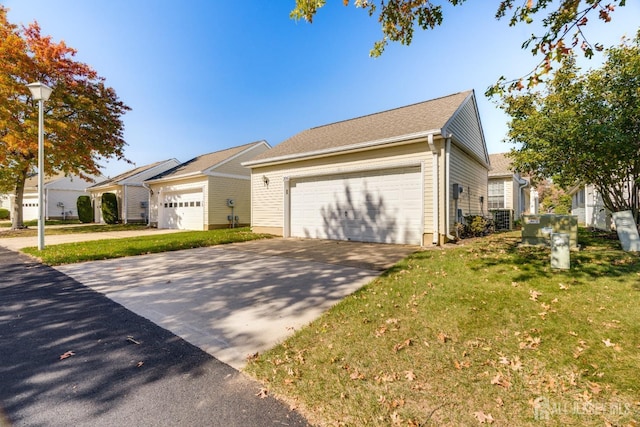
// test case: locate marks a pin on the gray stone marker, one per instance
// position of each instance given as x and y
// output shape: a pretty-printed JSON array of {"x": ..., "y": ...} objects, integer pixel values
[{"x": 627, "y": 231}]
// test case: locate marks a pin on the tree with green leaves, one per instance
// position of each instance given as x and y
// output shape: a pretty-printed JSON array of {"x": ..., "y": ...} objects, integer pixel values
[
  {"x": 562, "y": 25},
  {"x": 584, "y": 127},
  {"x": 82, "y": 122}
]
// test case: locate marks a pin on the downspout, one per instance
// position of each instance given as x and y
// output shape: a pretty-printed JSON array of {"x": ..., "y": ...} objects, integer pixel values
[
  {"x": 522, "y": 183},
  {"x": 435, "y": 187},
  {"x": 145, "y": 185},
  {"x": 447, "y": 217},
  {"x": 125, "y": 203}
]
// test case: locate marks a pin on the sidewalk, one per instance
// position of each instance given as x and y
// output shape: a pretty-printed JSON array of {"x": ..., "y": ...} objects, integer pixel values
[{"x": 17, "y": 243}]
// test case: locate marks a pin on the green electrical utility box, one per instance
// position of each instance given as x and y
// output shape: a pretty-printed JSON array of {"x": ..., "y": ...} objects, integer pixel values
[{"x": 537, "y": 229}]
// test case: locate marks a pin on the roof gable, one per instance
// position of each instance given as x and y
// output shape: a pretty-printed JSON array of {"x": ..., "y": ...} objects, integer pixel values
[
  {"x": 500, "y": 165},
  {"x": 412, "y": 119},
  {"x": 205, "y": 163},
  {"x": 132, "y": 174}
]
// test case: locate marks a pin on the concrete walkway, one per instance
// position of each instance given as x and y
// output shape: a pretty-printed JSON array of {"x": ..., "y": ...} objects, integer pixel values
[{"x": 17, "y": 243}]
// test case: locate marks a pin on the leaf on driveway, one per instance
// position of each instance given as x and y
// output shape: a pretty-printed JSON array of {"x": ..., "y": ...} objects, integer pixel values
[
  {"x": 67, "y": 354},
  {"x": 263, "y": 393}
]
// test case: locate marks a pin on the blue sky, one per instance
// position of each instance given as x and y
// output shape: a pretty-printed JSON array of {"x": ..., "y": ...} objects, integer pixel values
[{"x": 201, "y": 75}]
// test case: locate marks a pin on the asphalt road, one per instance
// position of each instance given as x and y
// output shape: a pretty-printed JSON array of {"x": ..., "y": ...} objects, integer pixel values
[{"x": 121, "y": 369}]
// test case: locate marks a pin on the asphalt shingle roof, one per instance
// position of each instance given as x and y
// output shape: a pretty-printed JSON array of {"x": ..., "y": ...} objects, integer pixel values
[
  {"x": 128, "y": 174},
  {"x": 420, "y": 117},
  {"x": 203, "y": 162},
  {"x": 500, "y": 164}
]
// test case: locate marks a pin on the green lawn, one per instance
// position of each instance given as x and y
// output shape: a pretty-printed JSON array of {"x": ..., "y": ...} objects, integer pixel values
[
  {"x": 485, "y": 332},
  {"x": 116, "y": 248}
]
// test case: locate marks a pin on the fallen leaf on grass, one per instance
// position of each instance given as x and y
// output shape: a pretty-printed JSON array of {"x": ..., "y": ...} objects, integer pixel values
[
  {"x": 356, "y": 375},
  {"x": 533, "y": 295},
  {"x": 608, "y": 343},
  {"x": 595, "y": 388},
  {"x": 442, "y": 337},
  {"x": 406, "y": 343},
  {"x": 501, "y": 381},
  {"x": 67, "y": 354},
  {"x": 483, "y": 418},
  {"x": 409, "y": 375}
]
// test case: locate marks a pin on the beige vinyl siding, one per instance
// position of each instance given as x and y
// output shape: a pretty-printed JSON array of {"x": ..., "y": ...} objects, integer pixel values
[
  {"x": 234, "y": 166},
  {"x": 465, "y": 126},
  {"x": 221, "y": 189},
  {"x": 268, "y": 201},
  {"x": 473, "y": 177}
]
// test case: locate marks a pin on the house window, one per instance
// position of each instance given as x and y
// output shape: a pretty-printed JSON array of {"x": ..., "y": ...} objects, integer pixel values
[
  {"x": 496, "y": 195},
  {"x": 192, "y": 204},
  {"x": 197, "y": 204}
]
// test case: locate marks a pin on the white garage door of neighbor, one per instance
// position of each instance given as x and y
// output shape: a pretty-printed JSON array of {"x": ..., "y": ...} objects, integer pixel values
[
  {"x": 378, "y": 206},
  {"x": 29, "y": 208},
  {"x": 183, "y": 211}
]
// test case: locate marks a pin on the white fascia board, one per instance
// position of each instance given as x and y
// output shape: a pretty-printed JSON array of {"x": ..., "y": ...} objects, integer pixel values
[{"x": 345, "y": 148}]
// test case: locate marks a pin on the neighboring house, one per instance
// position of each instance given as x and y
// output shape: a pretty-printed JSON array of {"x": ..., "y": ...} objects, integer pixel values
[
  {"x": 386, "y": 177},
  {"x": 509, "y": 193},
  {"x": 60, "y": 194},
  {"x": 587, "y": 205},
  {"x": 132, "y": 195},
  {"x": 207, "y": 192},
  {"x": 5, "y": 202}
]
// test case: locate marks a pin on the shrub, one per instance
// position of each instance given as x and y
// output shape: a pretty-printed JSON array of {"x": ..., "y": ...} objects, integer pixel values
[
  {"x": 4, "y": 213},
  {"x": 475, "y": 226},
  {"x": 110, "y": 208},
  {"x": 85, "y": 211}
]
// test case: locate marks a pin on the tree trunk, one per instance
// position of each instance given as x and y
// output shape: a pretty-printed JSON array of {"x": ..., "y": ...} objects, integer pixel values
[{"x": 17, "y": 220}]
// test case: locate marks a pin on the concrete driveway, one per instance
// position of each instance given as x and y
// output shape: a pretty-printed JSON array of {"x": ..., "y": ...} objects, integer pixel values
[{"x": 235, "y": 300}]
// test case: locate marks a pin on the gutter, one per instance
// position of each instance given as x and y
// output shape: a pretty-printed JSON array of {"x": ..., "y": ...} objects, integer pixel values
[
  {"x": 434, "y": 189},
  {"x": 145, "y": 185},
  {"x": 522, "y": 183}
]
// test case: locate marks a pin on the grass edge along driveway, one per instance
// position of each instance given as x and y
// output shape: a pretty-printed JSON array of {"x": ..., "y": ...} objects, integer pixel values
[
  {"x": 69, "y": 253},
  {"x": 482, "y": 333}
]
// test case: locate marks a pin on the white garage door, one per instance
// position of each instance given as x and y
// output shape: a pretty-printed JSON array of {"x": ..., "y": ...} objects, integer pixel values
[
  {"x": 379, "y": 206},
  {"x": 183, "y": 211},
  {"x": 29, "y": 208}
]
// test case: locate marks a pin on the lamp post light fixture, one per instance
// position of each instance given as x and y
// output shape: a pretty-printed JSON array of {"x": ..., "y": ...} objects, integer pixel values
[{"x": 40, "y": 92}]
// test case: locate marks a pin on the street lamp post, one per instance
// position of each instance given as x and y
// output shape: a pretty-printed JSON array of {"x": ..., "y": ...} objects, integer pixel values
[{"x": 40, "y": 93}]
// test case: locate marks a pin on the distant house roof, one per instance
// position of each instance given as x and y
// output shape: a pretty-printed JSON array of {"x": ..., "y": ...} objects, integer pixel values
[
  {"x": 201, "y": 164},
  {"x": 31, "y": 183},
  {"x": 500, "y": 165},
  {"x": 116, "y": 180},
  {"x": 384, "y": 126}
]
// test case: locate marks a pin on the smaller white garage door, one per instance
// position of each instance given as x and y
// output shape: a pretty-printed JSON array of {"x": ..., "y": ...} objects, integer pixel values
[
  {"x": 29, "y": 208},
  {"x": 378, "y": 206},
  {"x": 182, "y": 210}
]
